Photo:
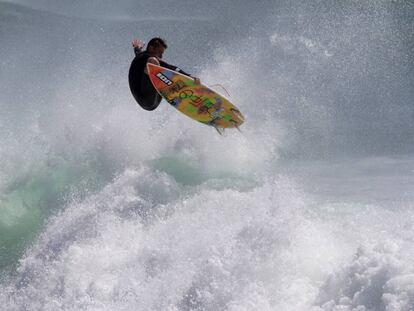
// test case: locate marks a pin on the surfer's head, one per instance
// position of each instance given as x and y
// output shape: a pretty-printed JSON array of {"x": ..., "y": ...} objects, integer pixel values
[{"x": 156, "y": 47}]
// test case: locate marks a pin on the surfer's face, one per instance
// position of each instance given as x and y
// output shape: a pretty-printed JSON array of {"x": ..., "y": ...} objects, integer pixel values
[{"x": 157, "y": 51}]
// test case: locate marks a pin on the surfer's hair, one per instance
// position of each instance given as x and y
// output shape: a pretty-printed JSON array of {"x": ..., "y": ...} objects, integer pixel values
[{"x": 156, "y": 42}]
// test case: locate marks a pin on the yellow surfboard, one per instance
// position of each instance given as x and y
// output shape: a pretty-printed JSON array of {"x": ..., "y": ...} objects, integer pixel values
[{"x": 194, "y": 100}]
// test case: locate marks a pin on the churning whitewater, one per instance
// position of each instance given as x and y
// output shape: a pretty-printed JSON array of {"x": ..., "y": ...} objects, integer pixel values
[{"x": 105, "y": 206}]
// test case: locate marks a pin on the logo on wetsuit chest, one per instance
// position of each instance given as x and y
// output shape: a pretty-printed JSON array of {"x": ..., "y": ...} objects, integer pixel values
[{"x": 164, "y": 78}]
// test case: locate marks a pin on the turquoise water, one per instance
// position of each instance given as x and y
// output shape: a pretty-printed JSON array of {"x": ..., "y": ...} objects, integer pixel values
[{"x": 27, "y": 204}]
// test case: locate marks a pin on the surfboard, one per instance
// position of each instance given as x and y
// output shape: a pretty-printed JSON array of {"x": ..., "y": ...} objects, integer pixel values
[{"x": 196, "y": 101}]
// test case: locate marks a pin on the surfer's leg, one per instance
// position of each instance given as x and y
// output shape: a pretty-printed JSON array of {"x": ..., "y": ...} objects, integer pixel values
[
  {"x": 146, "y": 85},
  {"x": 150, "y": 99},
  {"x": 153, "y": 100}
]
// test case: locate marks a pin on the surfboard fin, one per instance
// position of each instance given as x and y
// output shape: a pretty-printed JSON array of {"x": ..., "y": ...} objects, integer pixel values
[{"x": 219, "y": 130}]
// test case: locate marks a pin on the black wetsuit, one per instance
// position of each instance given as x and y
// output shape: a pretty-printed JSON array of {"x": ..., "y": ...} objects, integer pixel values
[{"x": 140, "y": 83}]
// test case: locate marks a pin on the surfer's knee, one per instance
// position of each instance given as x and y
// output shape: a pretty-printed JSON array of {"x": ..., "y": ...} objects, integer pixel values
[{"x": 152, "y": 60}]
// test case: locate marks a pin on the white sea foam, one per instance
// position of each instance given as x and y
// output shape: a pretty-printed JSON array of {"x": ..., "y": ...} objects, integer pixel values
[{"x": 144, "y": 243}]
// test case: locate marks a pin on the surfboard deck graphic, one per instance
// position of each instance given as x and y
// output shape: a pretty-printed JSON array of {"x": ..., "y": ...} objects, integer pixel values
[{"x": 197, "y": 101}]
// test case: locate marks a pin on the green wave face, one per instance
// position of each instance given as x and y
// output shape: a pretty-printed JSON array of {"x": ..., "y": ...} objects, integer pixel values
[{"x": 27, "y": 203}]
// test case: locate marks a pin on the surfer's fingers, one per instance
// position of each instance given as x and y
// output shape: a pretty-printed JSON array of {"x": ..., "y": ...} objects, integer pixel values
[{"x": 138, "y": 43}]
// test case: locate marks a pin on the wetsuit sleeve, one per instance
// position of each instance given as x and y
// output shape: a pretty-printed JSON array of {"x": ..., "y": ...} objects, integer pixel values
[
  {"x": 175, "y": 68},
  {"x": 137, "y": 50}
]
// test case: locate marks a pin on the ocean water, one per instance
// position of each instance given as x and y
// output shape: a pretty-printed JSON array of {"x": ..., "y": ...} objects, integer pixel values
[{"x": 105, "y": 206}]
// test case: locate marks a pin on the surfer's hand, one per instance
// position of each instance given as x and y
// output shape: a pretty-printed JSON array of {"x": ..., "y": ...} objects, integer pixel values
[
  {"x": 136, "y": 43},
  {"x": 197, "y": 80}
]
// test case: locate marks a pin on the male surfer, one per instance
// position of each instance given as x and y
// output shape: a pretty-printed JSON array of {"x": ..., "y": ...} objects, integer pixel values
[{"x": 139, "y": 81}]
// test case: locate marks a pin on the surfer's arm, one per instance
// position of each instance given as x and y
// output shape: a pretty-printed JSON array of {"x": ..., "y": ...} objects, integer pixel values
[
  {"x": 196, "y": 80},
  {"x": 137, "y": 51},
  {"x": 182, "y": 71},
  {"x": 175, "y": 68},
  {"x": 138, "y": 45}
]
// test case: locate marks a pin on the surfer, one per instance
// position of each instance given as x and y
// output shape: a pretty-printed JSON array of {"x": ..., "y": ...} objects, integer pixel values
[{"x": 139, "y": 81}]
